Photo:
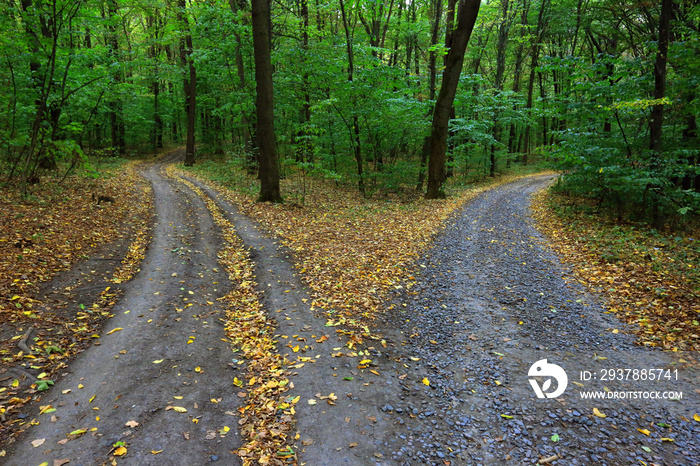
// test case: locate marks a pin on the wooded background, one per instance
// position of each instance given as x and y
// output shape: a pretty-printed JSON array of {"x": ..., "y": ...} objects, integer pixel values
[{"x": 605, "y": 89}]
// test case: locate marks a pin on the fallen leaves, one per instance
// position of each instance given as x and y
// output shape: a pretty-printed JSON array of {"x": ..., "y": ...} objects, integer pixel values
[
  {"x": 266, "y": 419},
  {"x": 648, "y": 280},
  {"x": 352, "y": 251},
  {"x": 598, "y": 413},
  {"x": 43, "y": 236}
]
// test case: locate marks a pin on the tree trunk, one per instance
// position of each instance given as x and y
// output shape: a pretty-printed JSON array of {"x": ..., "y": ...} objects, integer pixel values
[
  {"x": 513, "y": 142},
  {"x": 503, "y": 30},
  {"x": 355, "y": 137},
  {"x": 466, "y": 17},
  {"x": 189, "y": 82},
  {"x": 248, "y": 153},
  {"x": 534, "y": 63},
  {"x": 657, "y": 112},
  {"x": 115, "y": 106},
  {"x": 264, "y": 103}
]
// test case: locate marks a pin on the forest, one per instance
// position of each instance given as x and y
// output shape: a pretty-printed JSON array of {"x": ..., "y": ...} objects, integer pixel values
[
  {"x": 605, "y": 91},
  {"x": 392, "y": 220}
]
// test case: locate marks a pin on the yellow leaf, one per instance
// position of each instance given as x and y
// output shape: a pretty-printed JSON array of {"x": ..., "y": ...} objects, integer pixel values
[
  {"x": 644, "y": 431},
  {"x": 213, "y": 400},
  {"x": 225, "y": 429},
  {"x": 177, "y": 397},
  {"x": 91, "y": 398},
  {"x": 97, "y": 418},
  {"x": 179, "y": 409},
  {"x": 598, "y": 413},
  {"x": 121, "y": 451},
  {"x": 157, "y": 361},
  {"x": 365, "y": 361},
  {"x": 426, "y": 381},
  {"x": 78, "y": 432},
  {"x": 80, "y": 386},
  {"x": 155, "y": 452},
  {"x": 312, "y": 402},
  {"x": 696, "y": 417},
  {"x": 195, "y": 420},
  {"x": 111, "y": 332},
  {"x": 296, "y": 349},
  {"x": 198, "y": 369},
  {"x": 44, "y": 409},
  {"x": 666, "y": 439}
]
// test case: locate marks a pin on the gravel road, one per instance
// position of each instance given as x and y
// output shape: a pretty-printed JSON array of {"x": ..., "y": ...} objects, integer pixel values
[{"x": 490, "y": 302}]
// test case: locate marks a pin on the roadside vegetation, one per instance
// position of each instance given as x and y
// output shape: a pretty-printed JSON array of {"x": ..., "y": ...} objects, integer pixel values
[{"x": 650, "y": 279}]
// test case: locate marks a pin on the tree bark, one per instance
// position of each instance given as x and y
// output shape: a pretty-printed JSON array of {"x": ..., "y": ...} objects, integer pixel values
[
  {"x": 355, "y": 136},
  {"x": 534, "y": 63},
  {"x": 236, "y": 6},
  {"x": 657, "y": 112},
  {"x": 264, "y": 103},
  {"x": 115, "y": 106},
  {"x": 466, "y": 17},
  {"x": 189, "y": 82}
]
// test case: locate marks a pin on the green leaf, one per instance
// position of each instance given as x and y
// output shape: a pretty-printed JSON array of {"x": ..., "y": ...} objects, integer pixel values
[
  {"x": 555, "y": 438},
  {"x": 43, "y": 385}
]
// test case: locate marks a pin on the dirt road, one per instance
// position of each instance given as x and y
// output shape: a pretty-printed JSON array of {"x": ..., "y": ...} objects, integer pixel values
[
  {"x": 451, "y": 388},
  {"x": 132, "y": 378}
]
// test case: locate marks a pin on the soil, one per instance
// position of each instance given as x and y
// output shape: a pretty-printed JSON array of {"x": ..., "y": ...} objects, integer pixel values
[{"x": 450, "y": 387}]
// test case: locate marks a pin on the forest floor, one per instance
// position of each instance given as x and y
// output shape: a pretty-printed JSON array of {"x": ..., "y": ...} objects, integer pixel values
[{"x": 336, "y": 336}]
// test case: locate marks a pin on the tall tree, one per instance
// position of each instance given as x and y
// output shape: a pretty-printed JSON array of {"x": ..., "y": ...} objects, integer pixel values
[
  {"x": 355, "y": 120},
  {"x": 657, "y": 113},
  {"x": 466, "y": 17},
  {"x": 189, "y": 81},
  {"x": 115, "y": 106},
  {"x": 265, "y": 134}
]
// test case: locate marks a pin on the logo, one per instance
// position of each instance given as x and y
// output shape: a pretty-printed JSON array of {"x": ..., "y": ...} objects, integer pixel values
[{"x": 549, "y": 371}]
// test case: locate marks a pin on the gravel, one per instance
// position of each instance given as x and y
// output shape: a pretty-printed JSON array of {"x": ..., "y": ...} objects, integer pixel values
[{"x": 489, "y": 301}]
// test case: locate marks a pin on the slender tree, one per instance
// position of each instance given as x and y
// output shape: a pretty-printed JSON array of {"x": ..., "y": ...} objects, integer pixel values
[
  {"x": 265, "y": 134},
  {"x": 189, "y": 81},
  {"x": 466, "y": 17}
]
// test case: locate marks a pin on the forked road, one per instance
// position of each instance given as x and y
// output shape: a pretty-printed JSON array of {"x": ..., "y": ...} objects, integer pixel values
[{"x": 451, "y": 389}]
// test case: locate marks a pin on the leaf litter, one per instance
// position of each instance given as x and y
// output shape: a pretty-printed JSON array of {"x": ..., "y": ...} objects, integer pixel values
[
  {"x": 648, "y": 281},
  {"x": 44, "y": 235}
]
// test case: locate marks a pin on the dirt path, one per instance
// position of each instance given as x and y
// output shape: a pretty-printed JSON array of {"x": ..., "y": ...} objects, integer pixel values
[
  {"x": 451, "y": 387},
  {"x": 139, "y": 372}
]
